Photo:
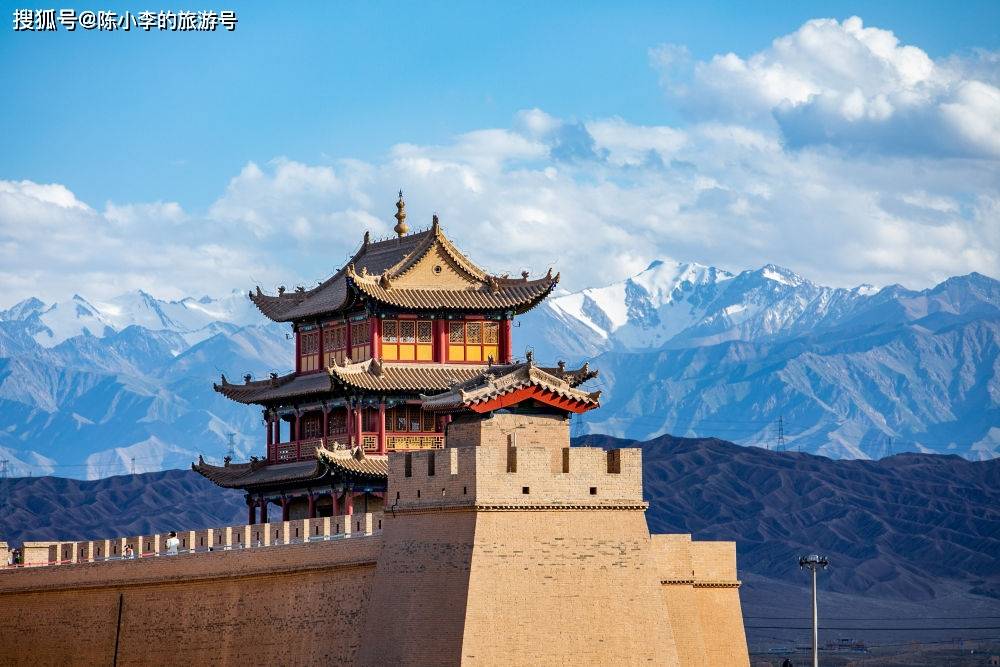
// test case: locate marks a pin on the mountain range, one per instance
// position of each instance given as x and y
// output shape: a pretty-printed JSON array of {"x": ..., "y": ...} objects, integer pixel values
[
  {"x": 911, "y": 537},
  {"x": 763, "y": 357}
]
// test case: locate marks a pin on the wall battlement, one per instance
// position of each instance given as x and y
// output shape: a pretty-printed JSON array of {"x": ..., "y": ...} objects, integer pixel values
[
  {"x": 226, "y": 538},
  {"x": 523, "y": 462}
]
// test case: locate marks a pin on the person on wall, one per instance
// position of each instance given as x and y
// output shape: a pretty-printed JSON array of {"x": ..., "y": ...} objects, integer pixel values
[{"x": 172, "y": 544}]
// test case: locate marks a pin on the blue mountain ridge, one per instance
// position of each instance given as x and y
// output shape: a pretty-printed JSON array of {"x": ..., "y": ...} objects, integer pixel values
[{"x": 88, "y": 390}]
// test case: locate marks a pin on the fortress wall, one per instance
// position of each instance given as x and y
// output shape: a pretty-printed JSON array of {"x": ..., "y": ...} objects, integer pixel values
[
  {"x": 673, "y": 555},
  {"x": 469, "y": 475},
  {"x": 4, "y": 553},
  {"x": 585, "y": 469},
  {"x": 545, "y": 585},
  {"x": 417, "y": 610},
  {"x": 550, "y": 431},
  {"x": 717, "y": 592},
  {"x": 302, "y": 604}
]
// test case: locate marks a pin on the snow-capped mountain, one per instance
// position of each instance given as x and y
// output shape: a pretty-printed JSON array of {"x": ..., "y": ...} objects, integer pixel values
[
  {"x": 693, "y": 351},
  {"x": 91, "y": 388},
  {"x": 194, "y": 318}
]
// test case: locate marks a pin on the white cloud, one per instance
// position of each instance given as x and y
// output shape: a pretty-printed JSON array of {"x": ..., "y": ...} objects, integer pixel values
[
  {"x": 598, "y": 199},
  {"x": 846, "y": 84}
]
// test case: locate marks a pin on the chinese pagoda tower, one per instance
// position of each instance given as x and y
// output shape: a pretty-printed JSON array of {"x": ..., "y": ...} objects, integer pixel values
[{"x": 408, "y": 317}]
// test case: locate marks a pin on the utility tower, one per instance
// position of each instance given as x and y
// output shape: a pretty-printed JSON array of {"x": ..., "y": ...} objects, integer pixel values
[
  {"x": 3, "y": 468},
  {"x": 231, "y": 450},
  {"x": 814, "y": 563},
  {"x": 780, "y": 447}
]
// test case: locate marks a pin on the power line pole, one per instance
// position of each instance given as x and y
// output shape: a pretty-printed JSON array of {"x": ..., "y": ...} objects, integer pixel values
[
  {"x": 231, "y": 451},
  {"x": 133, "y": 465},
  {"x": 3, "y": 468},
  {"x": 781, "y": 434},
  {"x": 813, "y": 563}
]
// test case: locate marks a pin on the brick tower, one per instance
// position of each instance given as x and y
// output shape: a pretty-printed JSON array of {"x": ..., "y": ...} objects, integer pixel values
[{"x": 510, "y": 547}]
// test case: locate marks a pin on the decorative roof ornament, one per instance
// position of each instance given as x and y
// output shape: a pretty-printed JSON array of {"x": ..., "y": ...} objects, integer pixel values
[
  {"x": 384, "y": 281},
  {"x": 368, "y": 237},
  {"x": 401, "y": 227},
  {"x": 529, "y": 358},
  {"x": 435, "y": 223},
  {"x": 281, "y": 290},
  {"x": 247, "y": 378}
]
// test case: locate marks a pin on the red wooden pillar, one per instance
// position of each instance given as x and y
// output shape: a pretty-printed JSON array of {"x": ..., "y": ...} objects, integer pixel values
[
  {"x": 270, "y": 435},
  {"x": 312, "y": 506},
  {"x": 358, "y": 425},
  {"x": 285, "y": 506},
  {"x": 376, "y": 334},
  {"x": 440, "y": 340},
  {"x": 319, "y": 335},
  {"x": 506, "y": 342},
  {"x": 381, "y": 427},
  {"x": 326, "y": 424},
  {"x": 251, "y": 511},
  {"x": 349, "y": 424},
  {"x": 263, "y": 509},
  {"x": 349, "y": 503},
  {"x": 336, "y": 502},
  {"x": 347, "y": 340}
]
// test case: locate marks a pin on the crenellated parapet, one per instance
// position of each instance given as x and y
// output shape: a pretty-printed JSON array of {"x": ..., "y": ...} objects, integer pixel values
[{"x": 512, "y": 461}]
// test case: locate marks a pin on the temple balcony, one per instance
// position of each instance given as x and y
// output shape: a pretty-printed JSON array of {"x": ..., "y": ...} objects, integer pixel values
[{"x": 305, "y": 449}]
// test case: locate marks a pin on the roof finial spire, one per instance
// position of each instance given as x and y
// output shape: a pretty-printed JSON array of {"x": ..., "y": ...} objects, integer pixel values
[{"x": 401, "y": 227}]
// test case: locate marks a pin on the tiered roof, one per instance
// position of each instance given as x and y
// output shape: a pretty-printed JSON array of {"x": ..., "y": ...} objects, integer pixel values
[
  {"x": 505, "y": 386},
  {"x": 384, "y": 271},
  {"x": 379, "y": 377},
  {"x": 258, "y": 474},
  {"x": 329, "y": 465}
]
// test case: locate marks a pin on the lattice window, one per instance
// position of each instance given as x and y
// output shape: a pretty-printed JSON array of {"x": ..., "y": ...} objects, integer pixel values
[
  {"x": 309, "y": 351},
  {"x": 475, "y": 341},
  {"x": 334, "y": 344},
  {"x": 312, "y": 427},
  {"x": 360, "y": 333},
  {"x": 390, "y": 331},
  {"x": 408, "y": 340},
  {"x": 338, "y": 421},
  {"x": 407, "y": 332}
]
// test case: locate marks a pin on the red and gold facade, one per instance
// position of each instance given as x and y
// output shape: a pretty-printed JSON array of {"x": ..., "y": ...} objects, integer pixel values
[{"x": 407, "y": 316}]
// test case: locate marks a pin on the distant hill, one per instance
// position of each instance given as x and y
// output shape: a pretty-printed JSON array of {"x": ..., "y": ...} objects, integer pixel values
[
  {"x": 56, "y": 508},
  {"x": 909, "y": 537},
  {"x": 907, "y": 527}
]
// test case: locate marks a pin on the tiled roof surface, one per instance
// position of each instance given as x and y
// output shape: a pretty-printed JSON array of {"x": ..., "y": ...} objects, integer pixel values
[
  {"x": 374, "y": 267},
  {"x": 285, "y": 386},
  {"x": 243, "y": 475},
  {"x": 355, "y": 462},
  {"x": 500, "y": 380},
  {"x": 376, "y": 376},
  {"x": 518, "y": 296}
]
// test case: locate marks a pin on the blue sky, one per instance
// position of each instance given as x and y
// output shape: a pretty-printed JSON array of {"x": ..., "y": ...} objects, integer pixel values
[{"x": 131, "y": 120}]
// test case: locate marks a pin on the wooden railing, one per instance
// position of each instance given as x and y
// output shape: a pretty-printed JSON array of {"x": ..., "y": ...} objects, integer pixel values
[
  {"x": 297, "y": 450},
  {"x": 302, "y": 450},
  {"x": 413, "y": 440}
]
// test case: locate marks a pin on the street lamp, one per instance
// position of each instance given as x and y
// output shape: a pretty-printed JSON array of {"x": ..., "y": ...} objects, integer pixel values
[{"x": 814, "y": 562}]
